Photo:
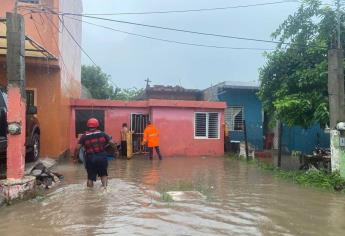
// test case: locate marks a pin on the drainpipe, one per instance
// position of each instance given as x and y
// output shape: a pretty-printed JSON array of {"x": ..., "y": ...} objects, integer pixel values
[{"x": 16, "y": 96}]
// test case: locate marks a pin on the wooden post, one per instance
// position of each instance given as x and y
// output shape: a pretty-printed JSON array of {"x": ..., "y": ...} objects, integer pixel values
[
  {"x": 245, "y": 138},
  {"x": 129, "y": 136},
  {"x": 280, "y": 137},
  {"x": 16, "y": 95}
]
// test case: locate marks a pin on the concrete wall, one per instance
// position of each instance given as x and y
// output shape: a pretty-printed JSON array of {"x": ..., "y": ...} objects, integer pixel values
[
  {"x": 176, "y": 127},
  {"x": 70, "y": 63},
  {"x": 252, "y": 114},
  {"x": 174, "y": 119}
]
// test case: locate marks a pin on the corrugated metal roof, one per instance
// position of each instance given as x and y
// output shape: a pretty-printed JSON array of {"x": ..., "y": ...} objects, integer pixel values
[
  {"x": 32, "y": 48},
  {"x": 239, "y": 84}
]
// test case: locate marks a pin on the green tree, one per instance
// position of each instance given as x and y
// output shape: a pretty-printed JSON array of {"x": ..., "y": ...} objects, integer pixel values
[
  {"x": 127, "y": 94},
  {"x": 99, "y": 85},
  {"x": 294, "y": 79},
  {"x": 97, "y": 82}
]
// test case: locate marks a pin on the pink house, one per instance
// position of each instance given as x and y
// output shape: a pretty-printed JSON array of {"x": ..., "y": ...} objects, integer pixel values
[{"x": 188, "y": 128}]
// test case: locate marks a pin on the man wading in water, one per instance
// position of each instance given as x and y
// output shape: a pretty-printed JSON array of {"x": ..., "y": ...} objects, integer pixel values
[{"x": 96, "y": 163}]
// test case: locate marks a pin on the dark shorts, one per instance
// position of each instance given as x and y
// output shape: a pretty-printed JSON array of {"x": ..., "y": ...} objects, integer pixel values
[{"x": 96, "y": 164}]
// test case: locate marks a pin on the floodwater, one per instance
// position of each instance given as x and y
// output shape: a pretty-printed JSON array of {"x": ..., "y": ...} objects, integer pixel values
[{"x": 240, "y": 200}]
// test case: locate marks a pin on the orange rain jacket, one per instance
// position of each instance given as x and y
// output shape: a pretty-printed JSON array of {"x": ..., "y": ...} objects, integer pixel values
[{"x": 151, "y": 136}]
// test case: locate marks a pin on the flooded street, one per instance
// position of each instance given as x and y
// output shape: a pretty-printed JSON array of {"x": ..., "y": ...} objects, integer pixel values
[{"x": 240, "y": 200}]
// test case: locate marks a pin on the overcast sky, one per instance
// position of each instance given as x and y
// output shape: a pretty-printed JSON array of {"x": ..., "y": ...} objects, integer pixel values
[{"x": 130, "y": 60}]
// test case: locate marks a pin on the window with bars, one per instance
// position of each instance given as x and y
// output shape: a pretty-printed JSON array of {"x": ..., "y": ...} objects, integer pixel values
[
  {"x": 30, "y": 98},
  {"x": 206, "y": 125},
  {"x": 234, "y": 117},
  {"x": 30, "y": 1}
]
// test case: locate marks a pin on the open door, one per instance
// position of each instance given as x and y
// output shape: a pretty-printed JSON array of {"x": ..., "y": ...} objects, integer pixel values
[{"x": 138, "y": 124}]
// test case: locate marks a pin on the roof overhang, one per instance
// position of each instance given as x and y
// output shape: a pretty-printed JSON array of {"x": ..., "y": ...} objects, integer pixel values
[
  {"x": 240, "y": 85},
  {"x": 87, "y": 103},
  {"x": 32, "y": 48}
]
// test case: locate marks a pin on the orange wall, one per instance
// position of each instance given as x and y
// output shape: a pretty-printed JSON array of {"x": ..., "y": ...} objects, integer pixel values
[
  {"x": 54, "y": 87},
  {"x": 70, "y": 62},
  {"x": 48, "y": 96},
  {"x": 40, "y": 27}
]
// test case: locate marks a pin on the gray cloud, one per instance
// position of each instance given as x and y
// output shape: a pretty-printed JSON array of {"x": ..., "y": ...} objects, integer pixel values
[{"x": 130, "y": 60}]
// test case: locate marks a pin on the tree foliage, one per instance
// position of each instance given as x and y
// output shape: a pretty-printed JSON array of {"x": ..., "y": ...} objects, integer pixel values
[
  {"x": 99, "y": 85},
  {"x": 294, "y": 78}
]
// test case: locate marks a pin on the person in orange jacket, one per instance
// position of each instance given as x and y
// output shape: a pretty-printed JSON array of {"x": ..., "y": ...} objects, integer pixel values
[{"x": 151, "y": 138}]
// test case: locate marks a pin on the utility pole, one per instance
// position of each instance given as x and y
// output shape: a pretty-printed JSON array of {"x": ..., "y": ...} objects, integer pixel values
[
  {"x": 337, "y": 100},
  {"x": 16, "y": 186},
  {"x": 338, "y": 25},
  {"x": 15, "y": 60}
]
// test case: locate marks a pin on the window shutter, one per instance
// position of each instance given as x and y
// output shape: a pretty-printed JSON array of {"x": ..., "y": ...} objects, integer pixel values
[
  {"x": 213, "y": 125},
  {"x": 200, "y": 125}
]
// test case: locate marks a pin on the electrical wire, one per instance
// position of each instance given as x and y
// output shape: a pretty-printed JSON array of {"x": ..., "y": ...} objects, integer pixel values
[
  {"x": 186, "y": 11},
  {"x": 184, "y": 30},
  {"x": 70, "y": 34},
  {"x": 171, "y": 41},
  {"x": 175, "y": 29}
]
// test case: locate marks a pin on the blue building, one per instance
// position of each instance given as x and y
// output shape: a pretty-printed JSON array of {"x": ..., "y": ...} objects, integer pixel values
[{"x": 244, "y": 105}]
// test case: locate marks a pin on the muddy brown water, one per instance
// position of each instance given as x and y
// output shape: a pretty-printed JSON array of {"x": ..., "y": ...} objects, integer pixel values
[{"x": 241, "y": 200}]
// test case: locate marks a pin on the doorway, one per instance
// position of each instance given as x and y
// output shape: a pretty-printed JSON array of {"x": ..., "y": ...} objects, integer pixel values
[{"x": 138, "y": 124}]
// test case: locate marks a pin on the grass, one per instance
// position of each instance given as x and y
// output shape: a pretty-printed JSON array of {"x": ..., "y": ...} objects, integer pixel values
[{"x": 320, "y": 179}]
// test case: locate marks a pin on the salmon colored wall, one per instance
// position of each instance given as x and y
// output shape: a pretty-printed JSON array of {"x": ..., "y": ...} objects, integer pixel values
[
  {"x": 54, "y": 87},
  {"x": 114, "y": 118},
  {"x": 175, "y": 121},
  {"x": 176, "y": 127}
]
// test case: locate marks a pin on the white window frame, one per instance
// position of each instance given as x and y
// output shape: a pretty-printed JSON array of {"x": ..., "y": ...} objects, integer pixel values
[
  {"x": 207, "y": 125},
  {"x": 232, "y": 125}
]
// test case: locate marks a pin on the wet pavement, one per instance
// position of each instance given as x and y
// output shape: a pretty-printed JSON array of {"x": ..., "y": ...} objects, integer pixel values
[{"x": 239, "y": 200}]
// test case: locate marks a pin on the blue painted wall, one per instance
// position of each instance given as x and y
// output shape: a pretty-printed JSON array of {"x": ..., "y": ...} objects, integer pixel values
[
  {"x": 297, "y": 138},
  {"x": 294, "y": 138},
  {"x": 252, "y": 114}
]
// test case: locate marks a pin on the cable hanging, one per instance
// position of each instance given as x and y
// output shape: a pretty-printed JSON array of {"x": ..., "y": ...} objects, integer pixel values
[
  {"x": 186, "y": 11},
  {"x": 172, "y": 41}
]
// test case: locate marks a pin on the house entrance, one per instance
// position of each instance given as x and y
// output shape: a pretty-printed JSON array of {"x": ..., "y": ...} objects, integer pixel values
[{"x": 138, "y": 124}]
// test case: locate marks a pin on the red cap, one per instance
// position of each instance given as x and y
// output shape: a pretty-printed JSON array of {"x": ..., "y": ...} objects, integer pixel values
[{"x": 92, "y": 123}]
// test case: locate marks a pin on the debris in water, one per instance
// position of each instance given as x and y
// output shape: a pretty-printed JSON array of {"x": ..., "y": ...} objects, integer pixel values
[
  {"x": 179, "y": 196},
  {"x": 45, "y": 178}
]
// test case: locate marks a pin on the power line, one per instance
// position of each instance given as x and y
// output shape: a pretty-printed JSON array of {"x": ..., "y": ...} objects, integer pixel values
[
  {"x": 178, "y": 30},
  {"x": 81, "y": 48},
  {"x": 171, "y": 41},
  {"x": 185, "y": 11},
  {"x": 183, "y": 30}
]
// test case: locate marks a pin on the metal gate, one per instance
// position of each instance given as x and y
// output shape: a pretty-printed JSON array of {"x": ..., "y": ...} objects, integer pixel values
[{"x": 138, "y": 124}]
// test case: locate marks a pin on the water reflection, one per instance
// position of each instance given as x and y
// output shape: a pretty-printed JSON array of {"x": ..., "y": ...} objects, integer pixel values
[{"x": 241, "y": 200}]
